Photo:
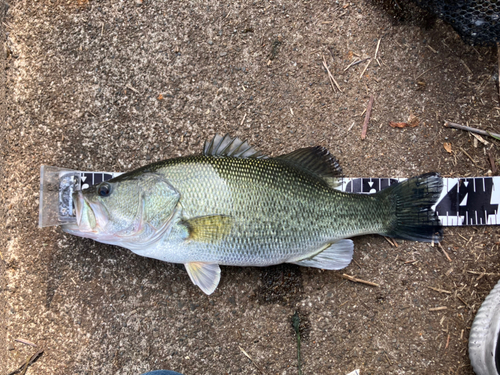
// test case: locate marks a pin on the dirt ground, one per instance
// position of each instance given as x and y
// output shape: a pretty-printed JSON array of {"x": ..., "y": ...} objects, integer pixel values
[{"x": 114, "y": 85}]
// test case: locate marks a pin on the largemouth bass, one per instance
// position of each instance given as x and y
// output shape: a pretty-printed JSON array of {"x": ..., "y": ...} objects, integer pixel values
[{"x": 231, "y": 205}]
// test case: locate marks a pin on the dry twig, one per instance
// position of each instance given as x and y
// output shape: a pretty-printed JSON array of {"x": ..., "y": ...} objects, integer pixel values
[
  {"x": 29, "y": 361},
  {"x": 449, "y": 124},
  {"x": 330, "y": 76},
  {"x": 364, "y": 70},
  {"x": 242, "y": 121},
  {"x": 494, "y": 169},
  {"x": 251, "y": 360},
  {"x": 356, "y": 280},
  {"x": 438, "y": 308},
  {"x": 367, "y": 117},
  {"x": 439, "y": 290},
  {"x": 470, "y": 157},
  {"x": 444, "y": 252},
  {"x": 484, "y": 273},
  {"x": 391, "y": 241},
  {"x": 356, "y": 63},
  {"x": 498, "y": 53},
  {"x": 26, "y": 342}
]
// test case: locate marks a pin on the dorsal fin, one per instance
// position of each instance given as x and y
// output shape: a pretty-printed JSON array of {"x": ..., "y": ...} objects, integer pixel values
[
  {"x": 227, "y": 146},
  {"x": 316, "y": 160}
]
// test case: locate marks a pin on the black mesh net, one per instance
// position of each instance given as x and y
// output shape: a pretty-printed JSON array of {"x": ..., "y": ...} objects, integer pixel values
[{"x": 477, "y": 22}]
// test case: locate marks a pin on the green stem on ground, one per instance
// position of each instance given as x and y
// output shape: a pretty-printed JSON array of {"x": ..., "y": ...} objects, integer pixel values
[{"x": 296, "y": 326}]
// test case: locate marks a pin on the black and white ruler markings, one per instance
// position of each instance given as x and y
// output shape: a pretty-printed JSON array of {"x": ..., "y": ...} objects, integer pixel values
[{"x": 464, "y": 201}]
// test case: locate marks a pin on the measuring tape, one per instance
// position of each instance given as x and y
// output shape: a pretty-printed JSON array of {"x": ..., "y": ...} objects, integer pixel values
[{"x": 463, "y": 201}]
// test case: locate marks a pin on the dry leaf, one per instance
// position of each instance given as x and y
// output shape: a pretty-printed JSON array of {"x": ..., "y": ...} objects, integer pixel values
[
  {"x": 480, "y": 139},
  {"x": 398, "y": 124},
  {"x": 160, "y": 97},
  {"x": 447, "y": 146},
  {"x": 413, "y": 121}
]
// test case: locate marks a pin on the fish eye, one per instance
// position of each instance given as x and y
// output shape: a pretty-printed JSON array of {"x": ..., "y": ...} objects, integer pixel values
[{"x": 104, "y": 190}]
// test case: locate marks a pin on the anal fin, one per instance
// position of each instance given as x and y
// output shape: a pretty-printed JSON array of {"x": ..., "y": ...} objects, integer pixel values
[
  {"x": 334, "y": 256},
  {"x": 204, "y": 275}
]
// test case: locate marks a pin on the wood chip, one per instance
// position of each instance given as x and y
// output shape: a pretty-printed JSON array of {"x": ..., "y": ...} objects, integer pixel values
[
  {"x": 480, "y": 139},
  {"x": 438, "y": 308}
]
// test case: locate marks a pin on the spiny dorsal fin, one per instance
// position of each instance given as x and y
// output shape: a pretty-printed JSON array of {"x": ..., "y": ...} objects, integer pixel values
[
  {"x": 227, "y": 146},
  {"x": 316, "y": 160}
]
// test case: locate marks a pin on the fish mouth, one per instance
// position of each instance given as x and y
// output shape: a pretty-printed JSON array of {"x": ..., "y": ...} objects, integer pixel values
[
  {"x": 90, "y": 216},
  {"x": 78, "y": 202}
]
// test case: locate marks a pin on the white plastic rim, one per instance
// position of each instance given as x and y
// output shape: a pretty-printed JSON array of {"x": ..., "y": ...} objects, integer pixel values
[{"x": 484, "y": 335}]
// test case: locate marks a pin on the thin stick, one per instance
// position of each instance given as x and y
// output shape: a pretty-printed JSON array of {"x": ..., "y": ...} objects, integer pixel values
[
  {"x": 465, "y": 303},
  {"x": 391, "y": 241},
  {"x": 447, "y": 342},
  {"x": 469, "y": 129},
  {"x": 470, "y": 157},
  {"x": 494, "y": 169},
  {"x": 387, "y": 358},
  {"x": 420, "y": 75},
  {"x": 131, "y": 88},
  {"x": 444, "y": 251},
  {"x": 439, "y": 290},
  {"x": 356, "y": 63},
  {"x": 251, "y": 360},
  {"x": 29, "y": 361},
  {"x": 356, "y": 280},
  {"x": 438, "y": 308},
  {"x": 376, "y": 50},
  {"x": 498, "y": 53},
  {"x": 484, "y": 273},
  {"x": 329, "y": 78},
  {"x": 330, "y": 75},
  {"x": 26, "y": 342},
  {"x": 364, "y": 70},
  {"x": 466, "y": 67},
  {"x": 242, "y": 121},
  {"x": 367, "y": 117}
]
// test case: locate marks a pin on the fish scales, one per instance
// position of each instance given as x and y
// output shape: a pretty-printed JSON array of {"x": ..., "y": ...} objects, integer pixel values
[{"x": 233, "y": 206}]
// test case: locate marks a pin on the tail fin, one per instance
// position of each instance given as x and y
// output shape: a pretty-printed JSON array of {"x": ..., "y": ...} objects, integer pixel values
[{"x": 413, "y": 200}]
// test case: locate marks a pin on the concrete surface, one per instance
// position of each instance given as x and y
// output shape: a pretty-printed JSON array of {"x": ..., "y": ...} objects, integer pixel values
[{"x": 114, "y": 85}]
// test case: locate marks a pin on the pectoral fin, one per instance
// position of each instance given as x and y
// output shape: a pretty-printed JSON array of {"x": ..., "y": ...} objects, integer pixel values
[
  {"x": 209, "y": 229},
  {"x": 333, "y": 256},
  {"x": 205, "y": 275}
]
